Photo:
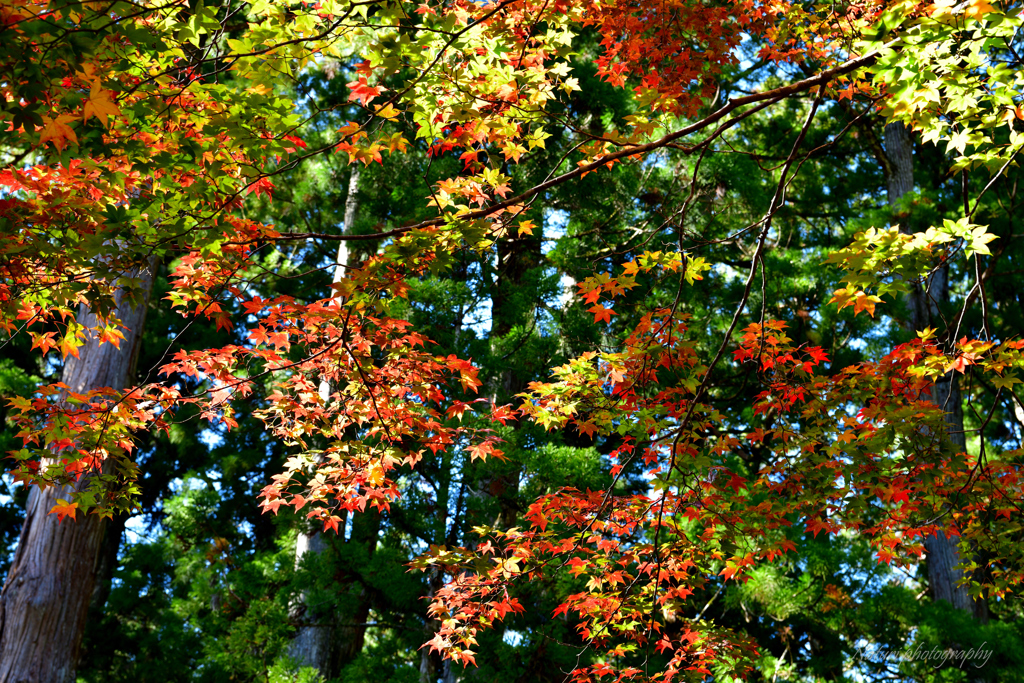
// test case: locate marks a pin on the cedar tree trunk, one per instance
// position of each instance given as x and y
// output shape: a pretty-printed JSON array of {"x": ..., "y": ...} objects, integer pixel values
[
  {"x": 312, "y": 645},
  {"x": 943, "y": 555},
  {"x": 46, "y": 597}
]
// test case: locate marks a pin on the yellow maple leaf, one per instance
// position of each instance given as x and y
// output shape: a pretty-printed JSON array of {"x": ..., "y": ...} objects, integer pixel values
[
  {"x": 100, "y": 105},
  {"x": 941, "y": 8},
  {"x": 513, "y": 151},
  {"x": 507, "y": 566},
  {"x": 865, "y": 302},
  {"x": 58, "y": 131},
  {"x": 387, "y": 111},
  {"x": 976, "y": 9},
  {"x": 259, "y": 89},
  {"x": 376, "y": 475},
  {"x": 526, "y": 228}
]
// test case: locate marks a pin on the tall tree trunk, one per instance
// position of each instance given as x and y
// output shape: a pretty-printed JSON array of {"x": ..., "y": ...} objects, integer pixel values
[
  {"x": 46, "y": 597},
  {"x": 431, "y": 662},
  {"x": 943, "y": 555},
  {"x": 332, "y": 637},
  {"x": 899, "y": 149},
  {"x": 312, "y": 645},
  {"x": 518, "y": 257},
  {"x": 106, "y": 563},
  {"x": 351, "y": 633}
]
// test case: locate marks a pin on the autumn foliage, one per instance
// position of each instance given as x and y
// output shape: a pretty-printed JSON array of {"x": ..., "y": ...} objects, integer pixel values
[{"x": 144, "y": 130}]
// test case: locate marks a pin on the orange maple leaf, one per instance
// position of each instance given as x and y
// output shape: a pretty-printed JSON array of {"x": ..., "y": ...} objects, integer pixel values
[
  {"x": 376, "y": 475},
  {"x": 729, "y": 572},
  {"x": 977, "y": 9},
  {"x": 860, "y": 300},
  {"x": 58, "y": 132},
  {"x": 865, "y": 302},
  {"x": 100, "y": 105},
  {"x": 484, "y": 450},
  {"x": 602, "y": 313},
  {"x": 458, "y": 409},
  {"x": 64, "y": 509},
  {"x": 111, "y": 335},
  {"x": 363, "y": 92}
]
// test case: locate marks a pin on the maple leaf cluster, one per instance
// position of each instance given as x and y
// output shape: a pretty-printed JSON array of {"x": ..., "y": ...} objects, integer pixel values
[
  {"x": 127, "y": 151},
  {"x": 886, "y": 471}
]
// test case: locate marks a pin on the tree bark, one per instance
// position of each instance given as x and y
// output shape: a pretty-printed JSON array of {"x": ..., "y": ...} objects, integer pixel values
[
  {"x": 46, "y": 597},
  {"x": 942, "y": 553},
  {"x": 518, "y": 258},
  {"x": 431, "y": 662},
  {"x": 312, "y": 645},
  {"x": 106, "y": 563},
  {"x": 351, "y": 632},
  {"x": 899, "y": 149}
]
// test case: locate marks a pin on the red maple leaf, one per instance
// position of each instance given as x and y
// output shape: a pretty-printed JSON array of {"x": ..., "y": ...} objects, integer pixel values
[
  {"x": 64, "y": 509},
  {"x": 601, "y": 313},
  {"x": 363, "y": 92}
]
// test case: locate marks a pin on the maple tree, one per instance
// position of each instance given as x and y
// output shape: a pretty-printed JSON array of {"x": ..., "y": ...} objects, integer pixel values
[{"x": 138, "y": 133}]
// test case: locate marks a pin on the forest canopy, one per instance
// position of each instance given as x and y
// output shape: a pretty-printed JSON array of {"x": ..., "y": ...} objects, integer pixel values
[{"x": 529, "y": 340}]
